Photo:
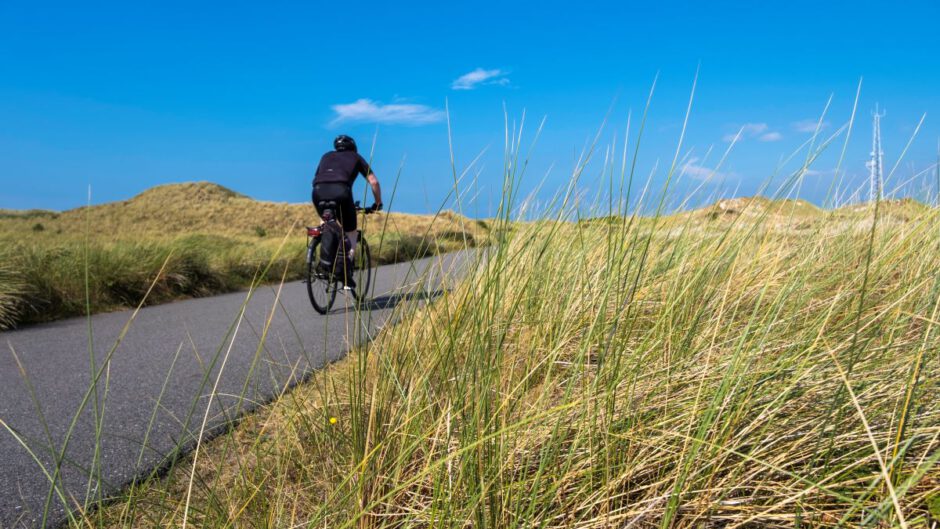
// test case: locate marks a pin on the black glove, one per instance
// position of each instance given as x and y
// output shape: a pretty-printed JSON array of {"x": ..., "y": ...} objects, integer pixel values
[{"x": 375, "y": 207}]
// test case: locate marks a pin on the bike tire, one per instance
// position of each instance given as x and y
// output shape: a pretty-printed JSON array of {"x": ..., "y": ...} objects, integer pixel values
[
  {"x": 322, "y": 291},
  {"x": 363, "y": 270}
]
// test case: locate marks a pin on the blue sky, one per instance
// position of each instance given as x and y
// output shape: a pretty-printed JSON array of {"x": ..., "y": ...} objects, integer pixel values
[{"x": 124, "y": 96}]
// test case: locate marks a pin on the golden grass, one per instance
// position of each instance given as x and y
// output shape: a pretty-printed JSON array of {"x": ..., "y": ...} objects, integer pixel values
[
  {"x": 198, "y": 207},
  {"x": 626, "y": 374},
  {"x": 215, "y": 240}
]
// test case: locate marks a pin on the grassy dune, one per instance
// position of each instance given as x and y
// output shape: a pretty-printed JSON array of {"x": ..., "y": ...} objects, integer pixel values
[
  {"x": 210, "y": 238},
  {"x": 753, "y": 364}
]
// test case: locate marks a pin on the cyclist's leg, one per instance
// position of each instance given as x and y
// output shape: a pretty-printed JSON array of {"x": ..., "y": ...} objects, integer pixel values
[
  {"x": 352, "y": 238},
  {"x": 346, "y": 210},
  {"x": 347, "y": 215}
]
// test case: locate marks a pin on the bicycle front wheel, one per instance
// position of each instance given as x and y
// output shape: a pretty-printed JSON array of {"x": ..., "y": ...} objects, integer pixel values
[
  {"x": 320, "y": 287},
  {"x": 362, "y": 269}
]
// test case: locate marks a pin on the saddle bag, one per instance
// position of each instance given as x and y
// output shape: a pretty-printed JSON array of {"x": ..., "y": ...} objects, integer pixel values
[{"x": 331, "y": 248}]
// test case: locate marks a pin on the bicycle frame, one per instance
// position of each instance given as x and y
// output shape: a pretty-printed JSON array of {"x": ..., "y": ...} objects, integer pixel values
[{"x": 316, "y": 274}]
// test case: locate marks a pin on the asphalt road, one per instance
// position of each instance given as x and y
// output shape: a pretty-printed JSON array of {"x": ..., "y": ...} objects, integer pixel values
[{"x": 160, "y": 378}]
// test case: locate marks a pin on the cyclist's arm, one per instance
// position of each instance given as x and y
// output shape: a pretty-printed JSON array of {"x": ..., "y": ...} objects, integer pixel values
[{"x": 376, "y": 188}]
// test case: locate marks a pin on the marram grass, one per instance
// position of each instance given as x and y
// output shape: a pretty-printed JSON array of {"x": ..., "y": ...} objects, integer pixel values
[
  {"x": 11, "y": 290},
  {"x": 764, "y": 364},
  {"x": 212, "y": 239},
  {"x": 682, "y": 372}
]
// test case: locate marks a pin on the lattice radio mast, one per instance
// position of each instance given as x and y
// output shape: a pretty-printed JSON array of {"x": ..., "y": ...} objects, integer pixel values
[{"x": 876, "y": 164}]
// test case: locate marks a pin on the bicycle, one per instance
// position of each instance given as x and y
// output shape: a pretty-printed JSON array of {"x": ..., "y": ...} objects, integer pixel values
[{"x": 322, "y": 284}]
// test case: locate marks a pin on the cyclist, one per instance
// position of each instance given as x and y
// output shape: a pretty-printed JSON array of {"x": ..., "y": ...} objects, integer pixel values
[{"x": 334, "y": 179}]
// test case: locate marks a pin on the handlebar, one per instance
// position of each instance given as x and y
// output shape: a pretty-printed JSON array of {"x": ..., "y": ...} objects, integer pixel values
[{"x": 369, "y": 210}]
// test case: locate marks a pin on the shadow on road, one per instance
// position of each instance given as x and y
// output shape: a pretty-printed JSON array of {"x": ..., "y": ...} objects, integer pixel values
[{"x": 390, "y": 301}]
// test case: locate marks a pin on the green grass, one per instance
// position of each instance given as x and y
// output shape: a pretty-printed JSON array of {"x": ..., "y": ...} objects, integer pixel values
[
  {"x": 771, "y": 366},
  {"x": 764, "y": 370},
  {"x": 12, "y": 287},
  {"x": 45, "y": 282},
  {"x": 211, "y": 239},
  {"x": 705, "y": 377}
]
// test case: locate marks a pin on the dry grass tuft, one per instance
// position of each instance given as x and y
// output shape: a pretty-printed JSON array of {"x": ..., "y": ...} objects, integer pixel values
[
  {"x": 649, "y": 375},
  {"x": 12, "y": 288},
  {"x": 216, "y": 240}
]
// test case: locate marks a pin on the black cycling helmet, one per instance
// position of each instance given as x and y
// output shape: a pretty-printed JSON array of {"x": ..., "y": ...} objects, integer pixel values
[{"x": 344, "y": 143}]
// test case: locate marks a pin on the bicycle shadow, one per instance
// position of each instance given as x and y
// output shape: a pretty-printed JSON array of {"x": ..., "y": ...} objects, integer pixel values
[{"x": 390, "y": 301}]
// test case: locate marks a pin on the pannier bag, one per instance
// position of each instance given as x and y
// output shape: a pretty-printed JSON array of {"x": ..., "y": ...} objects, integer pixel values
[{"x": 332, "y": 244}]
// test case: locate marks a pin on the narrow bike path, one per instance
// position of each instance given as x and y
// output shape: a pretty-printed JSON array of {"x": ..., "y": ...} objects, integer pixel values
[{"x": 177, "y": 350}]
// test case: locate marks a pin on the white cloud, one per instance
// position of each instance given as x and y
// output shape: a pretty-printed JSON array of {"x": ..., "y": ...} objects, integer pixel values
[
  {"x": 771, "y": 136},
  {"x": 748, "y": 130},
  {"x": 368, "y": 111},
  {"x": 752, "y": 129},
  {"x": 695, "y": 170},
  {"x": 809, "y": 125},
  {"x": 471, "y": 80},
  {"x": 814, "y": 172}
]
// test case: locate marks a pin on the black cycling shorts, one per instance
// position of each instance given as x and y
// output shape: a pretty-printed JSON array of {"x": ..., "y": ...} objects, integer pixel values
[{"x": 345, "y": 210}]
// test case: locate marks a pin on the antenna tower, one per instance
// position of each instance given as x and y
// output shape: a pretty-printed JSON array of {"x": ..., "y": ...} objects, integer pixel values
[{"x": 876, "y": 164}]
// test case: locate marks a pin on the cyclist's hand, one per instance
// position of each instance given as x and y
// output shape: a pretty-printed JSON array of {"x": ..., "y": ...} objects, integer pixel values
[{"x": 375, "y": 207}]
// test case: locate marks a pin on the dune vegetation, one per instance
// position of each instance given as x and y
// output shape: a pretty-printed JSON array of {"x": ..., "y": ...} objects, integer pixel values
[
  {"x": 760, "y": 362},
  {"x": 206, "y": 238},
  {"x": 757, "y": 363}
]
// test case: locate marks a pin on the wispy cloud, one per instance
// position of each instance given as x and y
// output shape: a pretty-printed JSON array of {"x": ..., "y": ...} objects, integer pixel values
[
  {"x": 748, "y": 130},
  {"x": 369, "y": 111},
  {"x": 809, "y": 125},
  {"x": 693, "y": 168},
  {"x": 761, "y": 131},
  {"x": 471, "y": 80},
  {"x": 814, "y": 172}
]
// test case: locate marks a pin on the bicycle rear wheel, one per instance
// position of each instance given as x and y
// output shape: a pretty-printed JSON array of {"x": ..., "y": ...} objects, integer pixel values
[
  {"x": 320, "y": 286},
  {"x": 362, "y": 269}
]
